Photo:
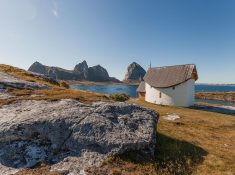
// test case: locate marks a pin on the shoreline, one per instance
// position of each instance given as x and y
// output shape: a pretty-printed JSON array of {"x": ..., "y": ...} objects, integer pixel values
[
  {"x": 92, "y": 83},
  {"x": 209, "y": 84},
  {"x": 219, "y": 96}
]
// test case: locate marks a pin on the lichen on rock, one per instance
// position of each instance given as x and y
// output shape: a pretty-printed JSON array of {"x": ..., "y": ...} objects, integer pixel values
[{"x": 70, "y": 135}]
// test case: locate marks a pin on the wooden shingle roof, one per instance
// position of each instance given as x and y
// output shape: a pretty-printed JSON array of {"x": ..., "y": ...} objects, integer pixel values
[
  {"x": 141, "y": 87},
  {"x": 163, "y": 77}
]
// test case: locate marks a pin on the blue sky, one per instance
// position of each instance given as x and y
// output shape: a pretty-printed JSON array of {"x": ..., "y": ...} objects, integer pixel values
[{"x": 115, "y": 33}]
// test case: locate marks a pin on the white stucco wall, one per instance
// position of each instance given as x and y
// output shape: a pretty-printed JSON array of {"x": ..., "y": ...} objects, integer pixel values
[{"x": 182, "y": 95}]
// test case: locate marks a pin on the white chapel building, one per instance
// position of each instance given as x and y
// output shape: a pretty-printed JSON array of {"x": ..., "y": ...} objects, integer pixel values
[{"x": 170, "y": 85}]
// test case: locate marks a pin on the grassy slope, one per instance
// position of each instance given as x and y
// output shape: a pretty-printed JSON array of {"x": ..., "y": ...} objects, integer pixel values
[
  {"x": 56, "y": 93},
  {"x": 24, "y": 75},
  {"x": 198, "y": 143}
]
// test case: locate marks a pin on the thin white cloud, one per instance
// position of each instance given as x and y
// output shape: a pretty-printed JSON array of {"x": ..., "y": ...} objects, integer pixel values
[{"x": 55, "y": 9}]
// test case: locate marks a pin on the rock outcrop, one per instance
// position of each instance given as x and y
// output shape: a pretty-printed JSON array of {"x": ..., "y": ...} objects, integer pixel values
[
  {"x": 134, "y": 72},
  {"x": 70, "y": 135},
  {"x": 53, "y": 72},
  {"x": 7, "y": 80},
  {"x": 98, "y": 73},
  {"x": 81, "y": 72}
]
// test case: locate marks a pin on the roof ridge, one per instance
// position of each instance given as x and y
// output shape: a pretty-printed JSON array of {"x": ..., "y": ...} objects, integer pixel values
[
  {"x": 168, "y": 76},
  {"x": 173, "y": 66}
]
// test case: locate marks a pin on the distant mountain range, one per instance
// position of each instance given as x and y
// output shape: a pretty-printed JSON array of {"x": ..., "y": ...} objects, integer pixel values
[{"x": 81, "y": 71}]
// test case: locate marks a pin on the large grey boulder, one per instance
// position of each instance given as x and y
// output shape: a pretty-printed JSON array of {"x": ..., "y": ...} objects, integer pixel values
[
  {"x": 70, "y": 135},
  {"x": 7, "y": 80},
  {"x": 134, "y": 72}
]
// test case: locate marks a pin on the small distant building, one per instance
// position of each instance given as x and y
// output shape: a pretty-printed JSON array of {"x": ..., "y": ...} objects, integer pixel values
[{"x": 170, "y": 85}]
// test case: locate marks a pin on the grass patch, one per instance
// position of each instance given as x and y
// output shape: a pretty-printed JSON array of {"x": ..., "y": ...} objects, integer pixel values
[
  {"x": 221, "y": 96},
  {"x": 61, "y": 93},
  {"x": 22, "y": 92},
  {"x": 64, "y": 84},
  {"x": 54, "y": 95},
  {"x": 119, "y": 97},
  {"x": 41, "y": 169},
  {"x": 199, "y": 142}
]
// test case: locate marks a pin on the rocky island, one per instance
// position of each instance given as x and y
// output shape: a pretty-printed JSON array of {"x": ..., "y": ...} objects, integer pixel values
[
  {"x": 134, "y": 74},
  {"x": 80, "y": 72}
]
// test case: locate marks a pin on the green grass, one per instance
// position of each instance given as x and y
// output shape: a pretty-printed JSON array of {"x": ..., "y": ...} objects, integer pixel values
[{"x": 119, "y": 97}]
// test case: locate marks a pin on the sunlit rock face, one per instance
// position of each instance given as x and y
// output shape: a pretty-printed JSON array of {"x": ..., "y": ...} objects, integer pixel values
[
  {"x": 82, "y": 69},
  {"x": 7, "y": 80},
  {"x": 134, "y": 72}
]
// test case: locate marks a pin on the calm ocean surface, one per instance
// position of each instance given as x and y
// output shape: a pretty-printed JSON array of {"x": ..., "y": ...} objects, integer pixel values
[{"x": 131, "y": 90}]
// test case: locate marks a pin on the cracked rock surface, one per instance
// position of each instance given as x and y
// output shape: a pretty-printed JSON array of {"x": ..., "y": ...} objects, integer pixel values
[
  {"x": 7, "y": 80},
  {"x": 70, "y": 135}
]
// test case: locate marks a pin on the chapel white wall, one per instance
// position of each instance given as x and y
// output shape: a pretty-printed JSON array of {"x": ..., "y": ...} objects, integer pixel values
[{"x": 182, "y": 95}]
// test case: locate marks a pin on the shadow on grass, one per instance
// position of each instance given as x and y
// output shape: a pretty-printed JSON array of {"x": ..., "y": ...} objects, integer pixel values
[
  {"x": 176, "y": 156},
  {"x": 172, "y": 156},
  {"x": 217, "y": 109}
]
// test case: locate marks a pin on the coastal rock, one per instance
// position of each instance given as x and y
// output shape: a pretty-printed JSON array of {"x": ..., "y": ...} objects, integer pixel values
[
  {"x": 53, "y": 72},
  {"x": 39, "y": 68},
  {"x": 80, "y": 72},
  {"x": 7, "y": 80},
  {"x": 82, "y": 69},
  {"x": 70, "y": 135},
  {"x": 115, "y": 80},
  {"x": 98, "y": 73},
  {"x": 134, "y": 72}
]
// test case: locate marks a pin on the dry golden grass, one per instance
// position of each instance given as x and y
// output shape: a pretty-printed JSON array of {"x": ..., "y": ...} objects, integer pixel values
[
  {"x": 24, "y": 75},
  {"x": 42, "y": 169},
  {"x": 61, "y": 93},
  {"x": 223, "y": 96},
  {"x": 199, "y": 142},
  {"x": 54, "y": 94}
]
